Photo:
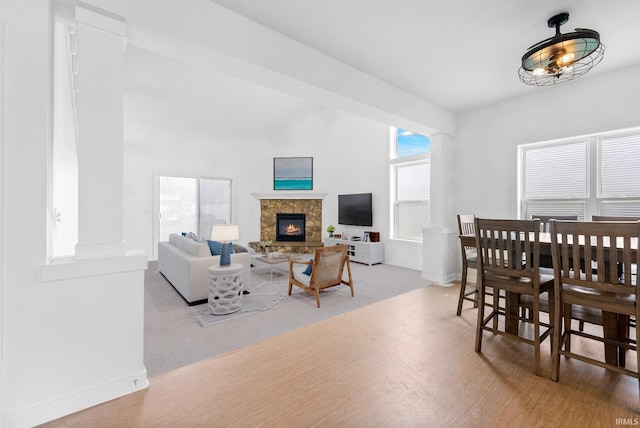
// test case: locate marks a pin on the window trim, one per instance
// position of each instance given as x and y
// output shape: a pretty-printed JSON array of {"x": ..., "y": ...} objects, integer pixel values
[
  {"x": 198, "y": 177},
  {"x": 594, "y": 201},
  {"x": 396, "y": 162}
]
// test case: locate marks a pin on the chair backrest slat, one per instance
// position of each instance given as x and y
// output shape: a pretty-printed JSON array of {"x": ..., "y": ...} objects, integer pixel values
[
  {"x": 509, "y": 247},
  {"x": 611, "y": 246},
  {"x": 546, "y": 219},
  {"x": 466, "y": 224}
]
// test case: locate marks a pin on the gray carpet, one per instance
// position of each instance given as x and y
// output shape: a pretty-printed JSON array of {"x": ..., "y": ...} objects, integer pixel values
[
  {"x": 175, "y": 337},
  {"x": 266, "y": 294}
]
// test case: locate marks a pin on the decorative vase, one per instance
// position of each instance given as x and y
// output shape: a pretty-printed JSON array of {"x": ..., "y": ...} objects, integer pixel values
[{"x": 330, "y": 234}]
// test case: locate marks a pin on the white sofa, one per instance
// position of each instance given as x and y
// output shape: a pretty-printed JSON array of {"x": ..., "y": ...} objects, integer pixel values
[{"x": 185, "y": 263}]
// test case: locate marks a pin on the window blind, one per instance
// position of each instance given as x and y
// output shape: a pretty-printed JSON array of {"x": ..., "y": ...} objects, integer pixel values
[
  {"x": 411, "y": 217},
  {"x": 413, "y": 181},
  {"x": 558, "y": 171},
  {"x": 620, "y": 173}
]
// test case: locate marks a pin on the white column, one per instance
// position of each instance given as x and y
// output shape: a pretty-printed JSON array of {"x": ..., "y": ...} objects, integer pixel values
[
  {"x": 100, "y": 134},
  {"x": 440, "y": 246},
  {"x": 441, "y": 180}
]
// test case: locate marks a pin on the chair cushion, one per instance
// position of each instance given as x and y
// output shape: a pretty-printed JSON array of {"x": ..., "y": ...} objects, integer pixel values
[{"x": 299, "y": 276}]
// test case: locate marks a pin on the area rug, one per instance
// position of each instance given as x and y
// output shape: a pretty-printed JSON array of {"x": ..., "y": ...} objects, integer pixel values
[{"x": 264, "y": 294}]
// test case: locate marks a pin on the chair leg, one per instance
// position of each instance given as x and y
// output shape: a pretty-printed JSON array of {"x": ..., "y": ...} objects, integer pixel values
[
  {"x": 566, "y": 335},
  {"x": 463, "y": 290},
  {"x": 536, "y": 333},
  {"x": 317, "y": 297},
  {"x": 637, "y": 347},
  {"x": 481, "y": 306},
  {"x": 556, "y": 345},
  {"x": 290, "y": 287},
  {"x": 552, "y": 320},
  {"x": 623, "y": 336},
  {"x": 496, "y": 307}
]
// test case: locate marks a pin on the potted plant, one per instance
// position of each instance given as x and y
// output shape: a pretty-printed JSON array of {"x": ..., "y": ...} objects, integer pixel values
[
  {"x": 264, "y": 246},
  {"x": 331, "y": 228}
]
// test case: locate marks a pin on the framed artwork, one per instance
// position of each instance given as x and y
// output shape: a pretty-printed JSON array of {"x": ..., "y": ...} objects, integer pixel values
[{"x": 292, "y": 173}]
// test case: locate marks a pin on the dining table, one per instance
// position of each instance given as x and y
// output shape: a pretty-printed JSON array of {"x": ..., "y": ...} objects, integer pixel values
[{"x": 614, "y": 325}]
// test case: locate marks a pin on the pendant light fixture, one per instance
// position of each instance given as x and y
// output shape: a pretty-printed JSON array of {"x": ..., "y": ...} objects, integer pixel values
[{"x": 562, "y": 57}]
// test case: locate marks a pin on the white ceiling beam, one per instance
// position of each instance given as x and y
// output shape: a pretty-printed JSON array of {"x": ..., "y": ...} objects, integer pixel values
[{"x": 203, "y": 33}]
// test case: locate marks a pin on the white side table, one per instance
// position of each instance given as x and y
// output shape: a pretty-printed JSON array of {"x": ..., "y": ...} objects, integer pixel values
[{"x": 225, "y": 289}]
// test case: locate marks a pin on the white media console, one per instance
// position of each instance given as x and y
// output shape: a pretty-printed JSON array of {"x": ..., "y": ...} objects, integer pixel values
[{"x": 369, "y": 253}]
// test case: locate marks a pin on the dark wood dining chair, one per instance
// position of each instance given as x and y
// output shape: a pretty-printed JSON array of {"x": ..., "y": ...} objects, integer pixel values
[
  {"x": 508, "y": 258},
  {"x": 466, "y": 226},
  {"x": 545, "y": 259},
  {"x": 545, "y": 225},
  {"x": 576, "y": 248},
  {"x": 634, "y": 268}
]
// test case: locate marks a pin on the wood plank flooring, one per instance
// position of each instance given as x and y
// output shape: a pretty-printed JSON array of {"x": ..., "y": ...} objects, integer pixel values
[{"x": 404, "y": 362}]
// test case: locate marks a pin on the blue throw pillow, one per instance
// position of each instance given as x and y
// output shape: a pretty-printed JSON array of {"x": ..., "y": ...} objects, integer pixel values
[
  {"x": 308, "y": 270},
  {"x": 216, "y": 248}
]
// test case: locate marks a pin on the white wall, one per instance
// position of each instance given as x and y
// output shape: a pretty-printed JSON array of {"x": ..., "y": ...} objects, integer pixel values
[
  {"x": 67, "y": 343},
  {"x": 246, "y": 162},
  {"x": 350, "y": 155},
  {"x": 485, "y": 147},
  {"x": 484, "y": 161}
]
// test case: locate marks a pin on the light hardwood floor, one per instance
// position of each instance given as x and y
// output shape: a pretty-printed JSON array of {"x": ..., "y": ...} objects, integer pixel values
[{"x": 404, "y": 362}]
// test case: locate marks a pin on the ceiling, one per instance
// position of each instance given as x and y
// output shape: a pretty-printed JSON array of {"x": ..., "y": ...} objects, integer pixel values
[
  {"x": 456, "y": 54},
  {"x": 168, "y": 101}
]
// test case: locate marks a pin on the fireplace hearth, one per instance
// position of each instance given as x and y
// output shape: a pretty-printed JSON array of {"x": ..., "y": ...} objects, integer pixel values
[{"x": 290, "y": 227}]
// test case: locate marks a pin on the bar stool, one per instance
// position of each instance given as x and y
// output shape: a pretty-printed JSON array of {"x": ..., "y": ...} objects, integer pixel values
[{"x": 466, "y": 226}]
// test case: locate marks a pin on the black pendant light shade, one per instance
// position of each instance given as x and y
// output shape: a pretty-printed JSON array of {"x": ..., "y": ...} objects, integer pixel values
[{"x": 562, "y": 57}]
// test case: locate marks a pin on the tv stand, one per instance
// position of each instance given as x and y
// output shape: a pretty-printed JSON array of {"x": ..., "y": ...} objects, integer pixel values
[{"x": 369, "y": 253}]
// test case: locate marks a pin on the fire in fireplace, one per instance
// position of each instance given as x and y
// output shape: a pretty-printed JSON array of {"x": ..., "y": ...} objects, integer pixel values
[{"x": 290, "y": 227}]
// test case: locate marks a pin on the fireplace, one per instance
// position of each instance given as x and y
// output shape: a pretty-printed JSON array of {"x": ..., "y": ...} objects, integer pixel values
[{"x": 290, "y": 227}]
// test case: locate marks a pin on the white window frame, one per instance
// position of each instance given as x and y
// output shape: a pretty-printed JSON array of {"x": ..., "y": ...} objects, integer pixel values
[
  {"x": 156, "y": 200},
  {"x": 395, "y": 163},
  {"x": 594, "y": 203}
]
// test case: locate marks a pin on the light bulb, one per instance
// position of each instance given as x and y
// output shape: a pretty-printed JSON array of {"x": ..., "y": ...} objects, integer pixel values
[{"x": 566, "y": 59}]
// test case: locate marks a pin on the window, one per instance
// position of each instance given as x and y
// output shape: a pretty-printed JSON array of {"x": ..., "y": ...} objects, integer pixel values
[
  {"x": 192, "y": 204},
  {"x": 410, "y": 184},
  {"x": 558, "y": 178},
  {"x": 64, "y": 158}
]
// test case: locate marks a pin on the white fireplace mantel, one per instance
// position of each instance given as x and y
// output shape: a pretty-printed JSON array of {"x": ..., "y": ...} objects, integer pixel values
[{"x": 290, "y": 195}]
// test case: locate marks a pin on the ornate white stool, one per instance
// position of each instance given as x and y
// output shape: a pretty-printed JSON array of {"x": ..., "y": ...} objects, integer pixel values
[{"x": 225, "y": 289}]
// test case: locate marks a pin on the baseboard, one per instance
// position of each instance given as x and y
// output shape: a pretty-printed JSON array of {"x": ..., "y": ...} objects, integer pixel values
[
  {"x": 73, "y": 403},
  {"x": 440, "y": 280}
]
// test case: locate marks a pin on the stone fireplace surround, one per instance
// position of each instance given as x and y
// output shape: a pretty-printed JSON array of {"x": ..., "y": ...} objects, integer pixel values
[{"x": 309, "y": 204}]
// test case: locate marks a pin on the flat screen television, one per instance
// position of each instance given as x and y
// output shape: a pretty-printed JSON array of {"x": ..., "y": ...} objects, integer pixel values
[{"x": 355, "y": 209}]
